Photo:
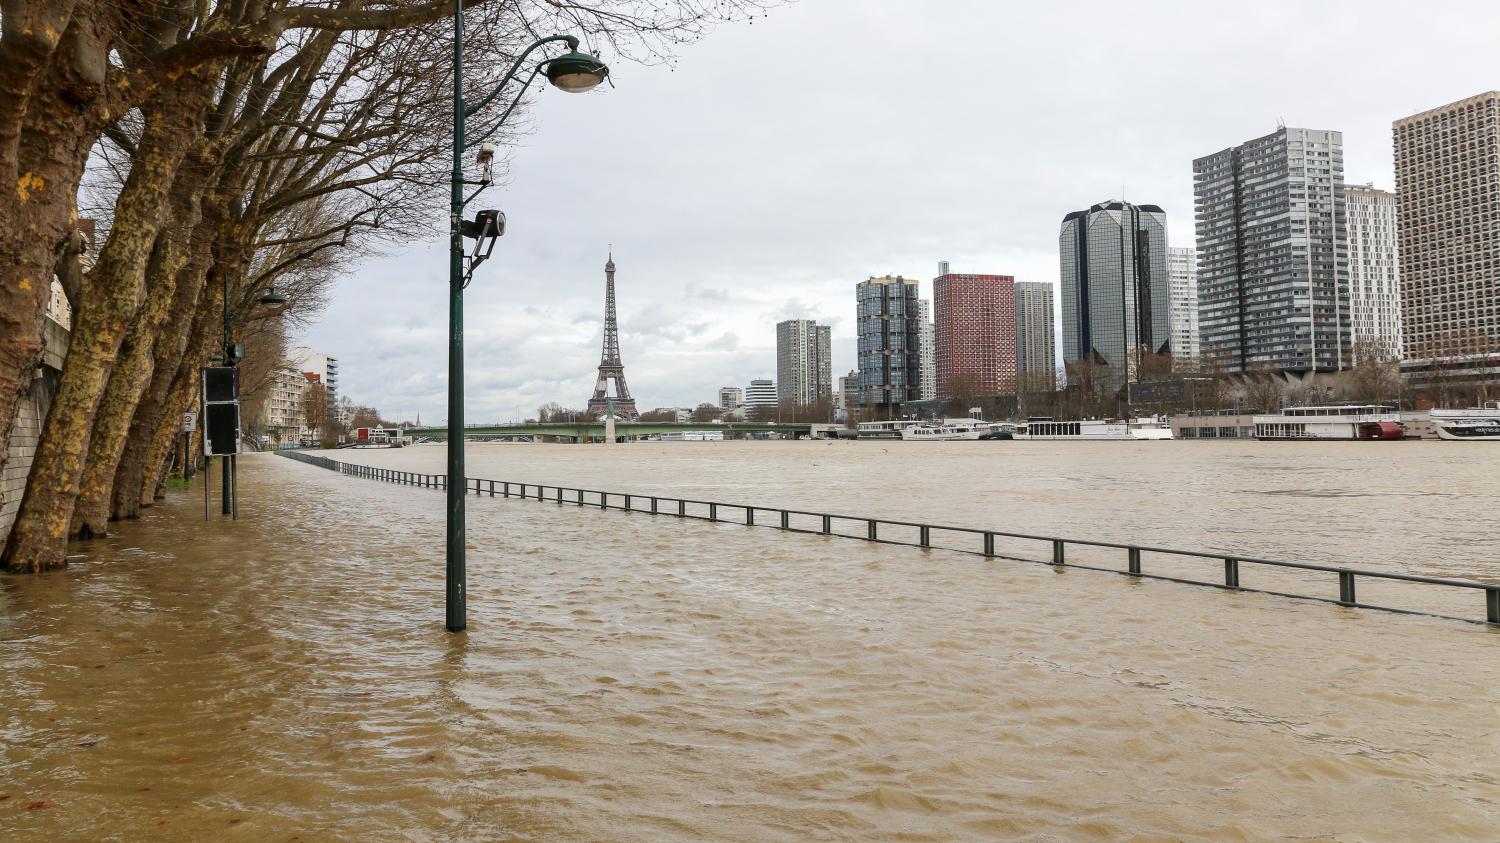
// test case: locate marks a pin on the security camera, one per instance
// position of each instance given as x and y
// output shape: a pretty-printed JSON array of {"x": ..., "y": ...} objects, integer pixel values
[{"x": 486, "y": 159}]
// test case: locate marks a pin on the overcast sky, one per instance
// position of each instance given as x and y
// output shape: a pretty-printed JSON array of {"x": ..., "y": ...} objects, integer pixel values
[{"x": 780, "y": 163}]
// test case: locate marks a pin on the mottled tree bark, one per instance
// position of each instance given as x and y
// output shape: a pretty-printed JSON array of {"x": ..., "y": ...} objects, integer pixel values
[
  {"x": 113, "y": 293},
  {"x": 49, "y": 117},
  {"x": 133, "y": 370},
  {"x": 168, "y": 353},
  {"x": 182, "y": 393}
]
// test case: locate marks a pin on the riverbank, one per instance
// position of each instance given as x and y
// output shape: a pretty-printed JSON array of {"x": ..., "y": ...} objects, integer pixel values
[{"x": 631, "y": 679}]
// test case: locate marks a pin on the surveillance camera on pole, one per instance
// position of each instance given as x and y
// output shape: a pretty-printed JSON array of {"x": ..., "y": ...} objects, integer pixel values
[{"x": 486, "y": 159}]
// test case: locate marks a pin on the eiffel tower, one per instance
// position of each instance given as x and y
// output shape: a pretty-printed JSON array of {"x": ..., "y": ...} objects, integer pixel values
[{"x": 610, "y": 367}]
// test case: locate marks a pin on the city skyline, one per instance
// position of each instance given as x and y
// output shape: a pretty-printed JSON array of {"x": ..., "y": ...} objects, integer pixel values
[{"x": 758, "y": 248}]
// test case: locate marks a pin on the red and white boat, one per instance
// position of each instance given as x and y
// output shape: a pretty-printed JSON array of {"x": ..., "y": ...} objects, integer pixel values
[{"x": 1333, "y": 421}]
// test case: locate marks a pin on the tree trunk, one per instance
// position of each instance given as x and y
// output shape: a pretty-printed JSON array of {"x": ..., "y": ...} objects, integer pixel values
[
  {"x": 170, "y": 349},
  {"x": 180, "y": 396},
  {"x": 133, "y": 371},
  {"x": 113, "y": 293}
]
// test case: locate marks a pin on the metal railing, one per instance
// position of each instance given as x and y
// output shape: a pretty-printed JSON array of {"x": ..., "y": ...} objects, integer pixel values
[{"x": 975, "y": 540}]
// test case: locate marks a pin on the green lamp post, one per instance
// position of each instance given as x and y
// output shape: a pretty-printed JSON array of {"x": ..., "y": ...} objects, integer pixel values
[{"x": 573, "y": 72}]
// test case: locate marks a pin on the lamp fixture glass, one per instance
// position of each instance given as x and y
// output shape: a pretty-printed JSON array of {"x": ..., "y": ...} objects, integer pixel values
[{"x": 576, "y": 72}]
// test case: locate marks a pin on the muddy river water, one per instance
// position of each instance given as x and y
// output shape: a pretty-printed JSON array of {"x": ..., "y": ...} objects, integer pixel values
[{"x": 286, "y": 676}]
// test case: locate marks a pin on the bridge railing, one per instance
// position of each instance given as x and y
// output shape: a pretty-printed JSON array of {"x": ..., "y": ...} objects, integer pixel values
[{"x": 972, "y": 540}]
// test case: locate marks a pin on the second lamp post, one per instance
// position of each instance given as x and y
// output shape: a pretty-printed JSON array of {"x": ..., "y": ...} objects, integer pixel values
[{"x": 573, "y": 72}]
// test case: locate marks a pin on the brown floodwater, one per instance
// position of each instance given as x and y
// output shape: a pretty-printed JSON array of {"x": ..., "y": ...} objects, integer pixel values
[{"x": 625, "y": 677}]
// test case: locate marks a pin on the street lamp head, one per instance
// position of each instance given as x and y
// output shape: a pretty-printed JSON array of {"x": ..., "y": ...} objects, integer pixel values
[
  {"x": 576, "y": 72},
  {"x": 273, "y": 298}
]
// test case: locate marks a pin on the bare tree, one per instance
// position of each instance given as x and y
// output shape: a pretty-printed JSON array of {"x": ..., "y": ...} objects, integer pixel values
[
  {"x": 1376, "y": 373},
  {"x": 1264, "y": 389},
  {"x": 315, "y": 409}
]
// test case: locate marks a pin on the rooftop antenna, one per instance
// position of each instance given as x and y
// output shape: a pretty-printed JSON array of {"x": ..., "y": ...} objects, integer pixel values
[{"x": 1280, "y": 123}]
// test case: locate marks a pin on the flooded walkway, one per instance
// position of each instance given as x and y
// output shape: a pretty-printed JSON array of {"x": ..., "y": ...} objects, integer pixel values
[{"x": 286, "y": 676}]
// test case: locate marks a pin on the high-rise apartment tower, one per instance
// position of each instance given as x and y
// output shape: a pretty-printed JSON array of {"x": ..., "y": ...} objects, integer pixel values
[
  {"x": 888, "y": 318},
  {"x": 804, "y": 362},
  {"x": 1182, "y": 277},
  {"x": 1448, "y": 215},
  {"x": 1374, "y": 273},
  {"x": 927, "y": 390},
  {"x": 975, "y": 321},
  {"x": 1273, "y": 253},
  {"x": 1036, "y": 361}
]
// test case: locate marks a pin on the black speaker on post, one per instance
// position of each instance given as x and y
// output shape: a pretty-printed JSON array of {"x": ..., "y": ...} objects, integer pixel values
[
  {"x": 221, "y": 410},
  {"x": 221, "y": 383}
]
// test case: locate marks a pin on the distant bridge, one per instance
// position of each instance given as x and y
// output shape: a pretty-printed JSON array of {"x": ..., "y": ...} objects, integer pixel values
[{"x": 583, "y": 431}]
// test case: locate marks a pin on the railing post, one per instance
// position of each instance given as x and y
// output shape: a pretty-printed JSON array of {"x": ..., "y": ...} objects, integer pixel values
[
  {"x": 492, "y": 488},
  {"x": 750, "y": 515},
  {"x": 1346, "y": 588},
  {"x": 507, "y": 488},
  {"x": 627, "y": 503},
  {"x": 989, "y": 544},
  {"x": 604, "y": 500},
  {"x": 559, "y": 496},
  {"x": 1232, "y": 572},
  {"x": 1058, "y": 556},
  {"x": 924, "y": 535},
  {"x": 1492, "y": 605},
  {"x": 871, "y": 531},
  {"x": 1134, "y": 561},
  {"x": 681, "y": 507},
  {"x": 713, "y": 512},
  {"x": 786, "y": 520},
  {"x": 653, "y": 504},
  {"x": 523, "y": 491},
  {"x": 580, "y": 497},
  {"x": 827, "y": 524}
]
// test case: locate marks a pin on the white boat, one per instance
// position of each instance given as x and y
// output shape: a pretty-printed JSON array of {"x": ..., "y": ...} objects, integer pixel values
[
  {"x": 1476, "y": 423},
  {"x": 885, "y": 429},
  {"x": 950, "y": 430},
  {"x": 1096, "y": 430},
  {"x": 693, "y": 436},
  {"x": 1332, "y": 421}
]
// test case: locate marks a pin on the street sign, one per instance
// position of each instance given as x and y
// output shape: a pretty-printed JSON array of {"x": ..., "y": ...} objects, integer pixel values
[{"x": 189, "y": 422}]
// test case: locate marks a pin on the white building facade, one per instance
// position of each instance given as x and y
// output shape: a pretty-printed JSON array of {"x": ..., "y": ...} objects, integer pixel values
[
  {"x": 1374, "y": 271},
  {"x": 1182, "y": 283},
  {"x": 927, "y": 350},
  {"x": 731, "y": 398},
  {"x": 284, "y": 416},
  {"x": 760, "y": 393},
  {"x": 325, "y": 366}
]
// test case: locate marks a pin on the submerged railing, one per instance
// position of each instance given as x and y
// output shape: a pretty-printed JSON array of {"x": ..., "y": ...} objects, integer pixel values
[{"x": 977, "y": 541}]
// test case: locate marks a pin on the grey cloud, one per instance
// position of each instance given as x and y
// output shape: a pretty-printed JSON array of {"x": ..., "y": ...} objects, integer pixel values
[{"x": 735, "y": 198}]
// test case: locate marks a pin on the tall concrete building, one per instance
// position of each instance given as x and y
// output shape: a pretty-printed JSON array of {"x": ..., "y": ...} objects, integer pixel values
[
  {"x": 1182, "y": 278},
  {"x": 1115, "y": 297},
  {"x": 1374, "y": 272},
  {"x": 974, "y": 317},
  {"x": 1448, "y": 215},
  {"x": 928, "y": 349},
  {"x": 1036, "y": 359},
  {"x": 760, "y": 393},
  {"x": 847, "y": 395},
  {"x": 804, "y": 362},
  {"x": 731, "y": 398},
  {"x": 324, "y": 366},
  {"x": 888, "y": 318},
  {"x": 1273, "y": 252}
]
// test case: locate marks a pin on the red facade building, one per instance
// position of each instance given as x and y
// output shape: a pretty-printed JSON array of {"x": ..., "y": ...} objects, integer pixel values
[{"x": 974, "y": 321}]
